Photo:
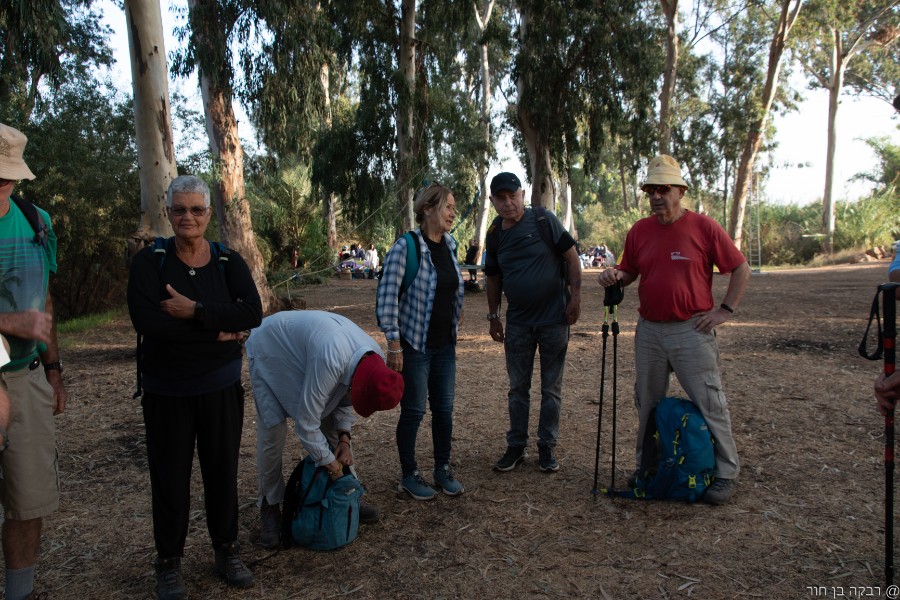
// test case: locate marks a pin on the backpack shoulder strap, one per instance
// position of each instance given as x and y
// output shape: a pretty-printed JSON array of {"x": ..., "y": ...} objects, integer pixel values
[
  {"x": 413, "y": 256},
  {"x": 220, "y": 254},
  {"x": 34, "y": 219},
  {"x": 540, "y": 214},
  {"x": 160, "y": 248},
  {"x": 492, "y": 238}
]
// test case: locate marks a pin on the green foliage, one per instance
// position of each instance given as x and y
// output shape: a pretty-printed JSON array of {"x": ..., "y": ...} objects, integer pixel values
[
  {"x": 286, "y": 218},
  {"x": 82, "y": 150},
  {"x": 45, "y": 41}
]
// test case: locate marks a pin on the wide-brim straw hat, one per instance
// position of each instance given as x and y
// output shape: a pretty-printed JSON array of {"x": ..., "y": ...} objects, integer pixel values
[
  {"x": 12, "y": 146},
  {"x": 664, "y": 170}
]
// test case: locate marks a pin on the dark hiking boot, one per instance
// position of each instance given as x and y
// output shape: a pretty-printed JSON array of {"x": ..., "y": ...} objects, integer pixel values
[
  {"x": 169, "y": 582},
  {"x": 368, "y": 514},
  {"x": 230, "y": 567},
  {"x": 269, "y": 525},
  {"x": 510, "y": 460},
  {"x": 546, "y": 460},
  {"x": 720, "y": 492}
]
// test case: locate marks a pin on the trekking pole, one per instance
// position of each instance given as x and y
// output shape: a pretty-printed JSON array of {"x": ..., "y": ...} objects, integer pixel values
[
  {"x": 890, "y": 337},
  {"x": 886, "y": 347},
  {"x": 615, "y": 362},
  {"x": 605, "y": 333},
  {"x": 612, "y": 297}
]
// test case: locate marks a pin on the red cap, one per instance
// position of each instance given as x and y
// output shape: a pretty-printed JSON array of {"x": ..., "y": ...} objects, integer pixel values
[{"x": 374, "y": 386}]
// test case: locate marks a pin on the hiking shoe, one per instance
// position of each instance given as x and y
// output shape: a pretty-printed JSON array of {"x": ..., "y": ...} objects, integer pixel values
[
  {"x": 416, "y": 487},
  {"x": 443, "y": 478},
  {"x": 230, "y": 567},
  {"x": 720, "y": 491},
  {"x": 509, "y": 461},
  {"x": 632, "y": 479},
  {"x": 169, "y": 582},
  {"x": 546, "y": 461},
  {"x": 269, "y": 525},
  {"x": 368, "y": 514}
]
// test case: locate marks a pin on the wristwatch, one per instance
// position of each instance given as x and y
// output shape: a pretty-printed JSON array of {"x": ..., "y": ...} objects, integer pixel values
[
  {"x": 492, "y": 316},
  {"x": 198, "y": 310},
  {"x": 54, "y": 366}
]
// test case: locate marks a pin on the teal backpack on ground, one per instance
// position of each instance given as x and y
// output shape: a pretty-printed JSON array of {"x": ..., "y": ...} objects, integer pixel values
[
  {"x": 319, "y": 513},
  {"x": 678, "y": 460}
]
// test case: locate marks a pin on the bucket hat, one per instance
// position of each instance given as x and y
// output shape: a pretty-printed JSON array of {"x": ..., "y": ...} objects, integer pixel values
[
  {"x": 664, "y": 170},
  {"x": 12, "y": 145}
]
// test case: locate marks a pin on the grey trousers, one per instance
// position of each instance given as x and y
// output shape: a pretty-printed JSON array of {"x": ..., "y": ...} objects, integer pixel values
[{"x": 663, "y": 348}]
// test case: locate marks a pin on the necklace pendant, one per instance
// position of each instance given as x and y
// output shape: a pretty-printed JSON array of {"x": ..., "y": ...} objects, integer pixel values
[{"x": 191, "y": 271}]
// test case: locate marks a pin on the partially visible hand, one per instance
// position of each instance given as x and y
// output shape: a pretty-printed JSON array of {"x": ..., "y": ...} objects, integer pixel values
[
  {"x": 395, "y": 361},
  {"x": 178, "y": 306},
  {"x": 709, "y": 320},
  {"x": 344, "y": 453},
  {"x": 54, "y": 378},
  {"x": 497, "y": 330},
  {"x": 609, "y": 277},
  {"x": 31, "y": 324},
  {"x": 573, "y": 311},
  {"x": 230, "y": 336},
  {"x": 886, "y": 392}
]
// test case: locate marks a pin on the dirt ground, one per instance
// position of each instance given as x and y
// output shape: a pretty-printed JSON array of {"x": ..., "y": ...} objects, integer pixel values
[{"x": 808, "y": 511}]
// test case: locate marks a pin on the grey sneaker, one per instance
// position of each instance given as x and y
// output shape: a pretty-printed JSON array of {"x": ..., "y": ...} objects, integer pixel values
[
  {"x": 230, "y": 567},
  {"x": 444, "y": 479},
  {"x": 509, "y": 461},
  {"x": 169, "y": 582},
  {"x": 547, "y": 462},
  {"x": 269, "y": 525},
  {"x": 720, "y": 492},
  {"x": 415, "y": 486}
]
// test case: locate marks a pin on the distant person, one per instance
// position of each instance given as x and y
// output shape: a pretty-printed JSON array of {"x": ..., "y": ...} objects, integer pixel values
[
  {"x": 372, "y": 260},
  {"x": 193, "y": 311},
  {"x": 673, "y": 253},
  {"x": 29, "y": 489},
  {"x": 421, "y": 327},
  {"x": 471, "y": 255},
  {"x": 542, "y": 306},
  {"x": 316, "y": 368}
]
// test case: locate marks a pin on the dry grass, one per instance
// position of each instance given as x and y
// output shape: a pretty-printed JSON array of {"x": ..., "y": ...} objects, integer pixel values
[{"x": 808, "y": 511}]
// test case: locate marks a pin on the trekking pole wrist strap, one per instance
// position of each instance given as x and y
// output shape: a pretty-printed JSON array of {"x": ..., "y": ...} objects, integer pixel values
[{"x": 726, "y": 308}]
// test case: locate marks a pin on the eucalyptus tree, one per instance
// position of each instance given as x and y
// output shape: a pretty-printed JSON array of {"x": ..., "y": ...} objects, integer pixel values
[
  {"x": 46, "y": 42},
  {"x": 835, "y": 36},
  {"x": 788, "y": 11},
  {"x": 584, "y": 74},
  {"x": 152, "y": 118},
  {"x": 670, "y": 11},
  {"x": 214, "y": 25}
]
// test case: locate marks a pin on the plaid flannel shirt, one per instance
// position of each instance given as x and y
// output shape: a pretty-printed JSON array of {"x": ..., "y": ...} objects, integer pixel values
[{"x": 410, "y": 315}]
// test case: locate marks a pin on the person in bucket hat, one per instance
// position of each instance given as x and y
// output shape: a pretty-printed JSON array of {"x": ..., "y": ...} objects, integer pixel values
[
  {"x": 317, "y": 368},
  {"x": 672, "y": 252},
  {"x": 29, "y": 489}
]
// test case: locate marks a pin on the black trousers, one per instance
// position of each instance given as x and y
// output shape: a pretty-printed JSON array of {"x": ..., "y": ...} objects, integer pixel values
[{"x": 173, "y": 424}]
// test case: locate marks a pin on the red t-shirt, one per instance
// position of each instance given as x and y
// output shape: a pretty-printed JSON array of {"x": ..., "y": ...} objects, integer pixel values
[{"x": 675, "y": 264}]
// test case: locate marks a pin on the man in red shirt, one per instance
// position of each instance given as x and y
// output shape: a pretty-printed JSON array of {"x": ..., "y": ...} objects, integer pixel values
[{"x": 673, "y": 252}]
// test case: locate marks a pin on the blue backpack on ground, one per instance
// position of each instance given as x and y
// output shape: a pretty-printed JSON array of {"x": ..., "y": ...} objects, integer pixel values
[
  {"x": 678, "y": 460},
  {"x": 319, "y": 513}
]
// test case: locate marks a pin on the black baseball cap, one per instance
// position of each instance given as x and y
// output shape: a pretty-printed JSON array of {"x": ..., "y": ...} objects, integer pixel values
[{"x": 505, "y": 182}]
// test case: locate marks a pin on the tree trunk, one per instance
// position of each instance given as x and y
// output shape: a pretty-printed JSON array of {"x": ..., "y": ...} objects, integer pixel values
[
  {"x": 484, "y": 202},
  {"x": 623, "y": 179},
  {"x": 405, "y": 112},
  {"x": 834, "y": 94},
  {"x": 670, "y": 8},
  {"x": 329, "y": 199},
  {"x": 543, "y": 191},
  {"x": 565, "y": 204},
  {"x": 754, "y": 137},
  {"x": 152, "y": 119}
]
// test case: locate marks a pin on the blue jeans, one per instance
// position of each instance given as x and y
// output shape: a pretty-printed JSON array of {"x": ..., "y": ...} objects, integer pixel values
[
  {"x": 430, "y": 374},
  {"x": 552, "y": 341}
]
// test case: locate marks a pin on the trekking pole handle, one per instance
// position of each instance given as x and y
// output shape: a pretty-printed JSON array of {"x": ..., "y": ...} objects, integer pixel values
[{"x": 614, "y": 294}]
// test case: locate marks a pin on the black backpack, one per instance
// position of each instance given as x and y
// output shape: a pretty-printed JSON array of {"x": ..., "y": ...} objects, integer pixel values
[{"x": 34, "y": 219}]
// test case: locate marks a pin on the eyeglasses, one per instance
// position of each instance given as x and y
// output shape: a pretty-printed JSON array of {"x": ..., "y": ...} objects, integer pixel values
[
  {"x": 180, "y": 211},
  {"x": 652, "y": 189}
]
